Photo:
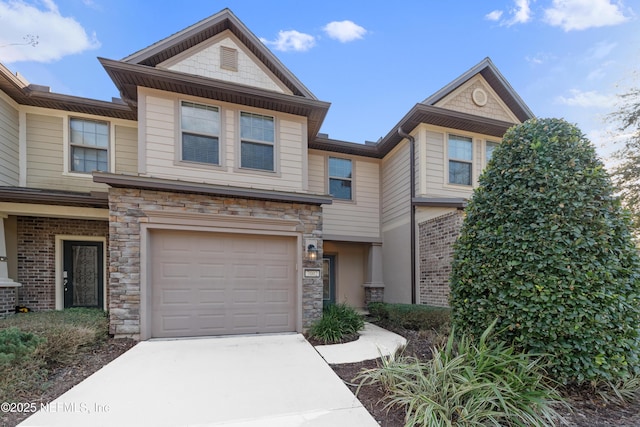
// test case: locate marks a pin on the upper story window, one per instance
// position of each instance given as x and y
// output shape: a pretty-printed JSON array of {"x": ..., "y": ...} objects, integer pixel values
[
  {"x": 489, "y": 150},
  {"x": 460, "y": 159},
  {"x": 200, "y": 126},
  {"x": 257, "y": 141},
  {"x": 340, "y": 178},
  {"x": 89, "y": 143}
]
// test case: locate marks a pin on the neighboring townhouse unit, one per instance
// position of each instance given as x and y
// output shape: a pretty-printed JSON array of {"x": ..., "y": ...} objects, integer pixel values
[{"x": 206, "y": 202}]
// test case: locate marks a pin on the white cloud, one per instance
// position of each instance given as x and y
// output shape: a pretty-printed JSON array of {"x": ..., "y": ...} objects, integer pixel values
[
  {"x": 583, "y": 14},
  {"x": 587, "y": 99},
  {"x": 494, "y": 16},
  {"x": 291, "y": 40},
  {"x": 344, "y": 31},
  {"x": 601, "y": 50},
  {"x": 22, "y": 22},
  {"x": 521, "y": 13}
]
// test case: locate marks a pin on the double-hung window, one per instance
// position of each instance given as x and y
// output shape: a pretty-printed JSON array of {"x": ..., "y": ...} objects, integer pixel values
[
  {"x": 460, "y": 159},
  {"x": 257, "y": 141},
  {"x": 490, "y": 146},
  {"x": 200, "y": 125},
  {"x": 340, "y": 178},
  {"x": 89, "y": 145}
]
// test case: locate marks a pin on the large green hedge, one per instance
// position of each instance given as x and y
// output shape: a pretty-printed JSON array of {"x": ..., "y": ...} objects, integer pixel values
[{"x": 545, "y": 247}]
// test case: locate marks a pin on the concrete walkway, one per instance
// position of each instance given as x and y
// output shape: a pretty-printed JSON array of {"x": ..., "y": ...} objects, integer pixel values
[
  {"x": 248, "y": 381},
  {"x": 373, "y": 343}
]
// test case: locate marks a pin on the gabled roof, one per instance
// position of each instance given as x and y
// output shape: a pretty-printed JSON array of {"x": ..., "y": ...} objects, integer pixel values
[
  {"x": 40, "y": 96},
  {"x": 210, "y": 27},
  {"x": 427, "y": 112},
  {"x": 139, "y": 69},
  {"x": 498, "y": 83}
]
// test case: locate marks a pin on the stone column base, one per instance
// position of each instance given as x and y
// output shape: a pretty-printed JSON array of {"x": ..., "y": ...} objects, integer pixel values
[{"x": 373, "y": 294}]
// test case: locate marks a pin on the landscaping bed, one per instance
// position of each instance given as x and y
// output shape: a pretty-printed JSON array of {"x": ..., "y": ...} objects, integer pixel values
[{"x": 589, "y": 410}]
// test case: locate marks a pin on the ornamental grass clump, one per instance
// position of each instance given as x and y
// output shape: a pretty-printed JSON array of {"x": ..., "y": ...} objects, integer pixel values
[
  {"x": 339, "y": 321},
  {"x": 469, "y": 384},
  {"x": 546, "y": 249}
]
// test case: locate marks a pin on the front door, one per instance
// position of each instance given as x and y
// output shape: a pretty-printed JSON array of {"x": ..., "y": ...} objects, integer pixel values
[
  {"x": 83, "y": 274},
  {"x": 328, "y": 280}
]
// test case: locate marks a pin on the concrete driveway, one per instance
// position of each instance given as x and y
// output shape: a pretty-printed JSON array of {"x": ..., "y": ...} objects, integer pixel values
[{"x": 265, "y": 380}]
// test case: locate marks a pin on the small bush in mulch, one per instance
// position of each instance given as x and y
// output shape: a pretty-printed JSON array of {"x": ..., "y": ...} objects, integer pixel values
[
  {"x": 339, "y": 323},
  {"x": 411, "y": 316}
]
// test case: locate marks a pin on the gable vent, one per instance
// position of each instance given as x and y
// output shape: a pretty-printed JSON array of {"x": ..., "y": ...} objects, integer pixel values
[{"x": 228, "y": 58}]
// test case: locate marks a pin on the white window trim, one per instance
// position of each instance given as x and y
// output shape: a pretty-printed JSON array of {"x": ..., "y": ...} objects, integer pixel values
[
  {"x": 352, "y": 179},
  {"x": 274, "y": 144},
  {"x": 66, "y": 146},
  {"x": 221, "y": 151},
  {"x": 448, "y": 159}
]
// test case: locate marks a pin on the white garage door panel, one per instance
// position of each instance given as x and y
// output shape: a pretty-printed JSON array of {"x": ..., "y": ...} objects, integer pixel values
[{"x": 219, "y": 283}]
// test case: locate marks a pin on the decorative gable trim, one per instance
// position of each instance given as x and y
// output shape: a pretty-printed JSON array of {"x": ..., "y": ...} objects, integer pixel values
[
  {"x": 495, "y": 80},
  {"x": 225, "y": 20}
]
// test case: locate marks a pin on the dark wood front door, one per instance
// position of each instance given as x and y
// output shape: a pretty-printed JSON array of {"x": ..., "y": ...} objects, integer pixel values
[{"x": 83, "y": 275}]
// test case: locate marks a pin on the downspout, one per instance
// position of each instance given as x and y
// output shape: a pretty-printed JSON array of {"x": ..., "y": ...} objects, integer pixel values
[{"x": 412, "y": 178}]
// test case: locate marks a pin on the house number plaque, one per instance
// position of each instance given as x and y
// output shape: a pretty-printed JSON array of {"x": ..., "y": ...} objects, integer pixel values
[{"x": 311, "y": 273}]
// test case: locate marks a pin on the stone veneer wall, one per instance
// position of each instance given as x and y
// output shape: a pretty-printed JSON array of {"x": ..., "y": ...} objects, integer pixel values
[
  {"x": 127, "y": 207},
  {"x": 36, "y": 255},
  {"x": 436, "y": 238}
]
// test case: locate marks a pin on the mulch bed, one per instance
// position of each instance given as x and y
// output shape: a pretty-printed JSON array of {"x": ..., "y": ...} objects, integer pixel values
[{"x": 588, "y": 410}]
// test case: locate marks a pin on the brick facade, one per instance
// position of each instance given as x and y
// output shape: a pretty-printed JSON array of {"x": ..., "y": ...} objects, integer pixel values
[
  {"x": 7, "y": 301},
  {"x": 127, "y": 208},
  {"x": 36, "y": 255},
  {"x": 435, "y": 239}
]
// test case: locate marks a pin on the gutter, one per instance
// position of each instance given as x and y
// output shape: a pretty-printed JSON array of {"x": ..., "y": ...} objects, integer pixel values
[{"x": 412, "y": 169}]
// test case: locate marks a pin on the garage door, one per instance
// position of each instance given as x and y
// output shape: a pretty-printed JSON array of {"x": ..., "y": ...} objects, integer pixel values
[{"x": 220, "y": 283}]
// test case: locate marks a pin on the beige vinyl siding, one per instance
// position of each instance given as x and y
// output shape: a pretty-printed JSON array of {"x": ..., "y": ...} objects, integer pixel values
[
  {"x": 396, "y": 233},
  {"x": 45, "y": 157},
  {"x": 9, "y": 167},
  {"x": 204, "y": 60},
  {"x": 126, "y": 150},
  {"x": 162, "y": 144},
  {"x": 396, "y": 185},
  {"x": 316, "y": 172},
  {"x": 434, "y": 172},
  {"x": 357, "y": 218}
]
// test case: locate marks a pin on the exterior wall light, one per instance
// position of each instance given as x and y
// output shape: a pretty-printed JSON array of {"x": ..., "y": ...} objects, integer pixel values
[{"x": 312, "y": 253}]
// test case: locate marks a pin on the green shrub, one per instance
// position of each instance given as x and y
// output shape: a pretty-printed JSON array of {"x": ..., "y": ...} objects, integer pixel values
[
  {"x": 39, "y": 340},
  {"x": 16, "y": 345},
  {"x": 411, "y": 316},
  {"x": 467, "y": 384},
  {"x": 546, "y": 248},
  {"x": 64, "y": 332},
  {"x": 338, "y": 321}
]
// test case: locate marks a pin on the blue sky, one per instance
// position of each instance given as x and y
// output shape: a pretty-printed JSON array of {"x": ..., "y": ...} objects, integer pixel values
[{"x": 372, "y": 60}]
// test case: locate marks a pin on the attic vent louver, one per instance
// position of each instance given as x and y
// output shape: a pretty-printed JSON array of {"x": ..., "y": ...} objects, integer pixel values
[{"x": 228, "y": 58}]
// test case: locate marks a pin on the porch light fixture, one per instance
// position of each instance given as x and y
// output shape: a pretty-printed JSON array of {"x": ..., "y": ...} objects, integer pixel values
[{"x": 312, "y": 253}]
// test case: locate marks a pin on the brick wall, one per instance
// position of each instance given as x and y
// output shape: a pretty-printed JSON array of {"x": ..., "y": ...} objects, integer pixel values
[
  {"x": 127, "y": 208},
  {"x": 36, "y": 255},
  {"x": 7, "y": 301},
  {"x": 436, "y": 239}
]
